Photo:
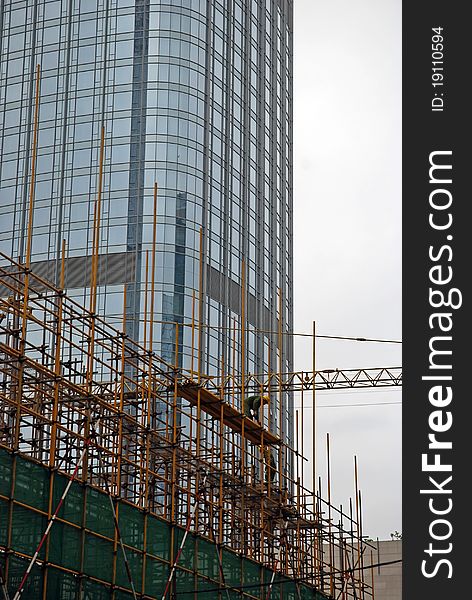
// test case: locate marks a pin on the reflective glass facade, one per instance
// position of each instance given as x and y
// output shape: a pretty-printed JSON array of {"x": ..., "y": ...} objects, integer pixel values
[{"x": 193, "y": 94}]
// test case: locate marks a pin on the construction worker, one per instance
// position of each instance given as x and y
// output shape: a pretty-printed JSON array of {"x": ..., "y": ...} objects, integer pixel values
[
  {"x": 270, "y": 465},
  {"x": 252, "y": 405}
]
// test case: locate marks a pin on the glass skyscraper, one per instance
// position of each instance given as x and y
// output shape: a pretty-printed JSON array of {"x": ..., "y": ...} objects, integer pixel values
[{"x": 193, "y": 94}]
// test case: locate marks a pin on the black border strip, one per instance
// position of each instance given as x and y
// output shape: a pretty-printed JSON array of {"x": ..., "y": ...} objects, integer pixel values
[{"x": 425, "y": 247}]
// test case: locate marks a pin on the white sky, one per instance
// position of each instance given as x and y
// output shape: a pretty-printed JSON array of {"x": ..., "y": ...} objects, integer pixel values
[{"x": 347, "y": 225}]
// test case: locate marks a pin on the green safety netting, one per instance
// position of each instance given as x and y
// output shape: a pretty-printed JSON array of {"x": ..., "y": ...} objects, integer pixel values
[
  {"x": 5, "y": 473},
  {"x": 27, "y": 530},
  {"x": 82, "y": 540},
  {"x": 31, "y": 484},
  {"x": 207, "y": 559},
  {"x": 202, "y": 585},
  {"x": 65, "y": 544},
  {"x": 98, "y": 513},
  {"x": 187, "y": 556},
  {"x": 290, "y": 591},
  {"x": 232, "y": 568},
  {"x": 98, "y": 557},
  {"x": 131, "y": 522},
  {"x": 4, "y": 512},
  {"x": 73, "y": 506},
  {"x": 305, "y": 592},
  {"x": 251, "y": 575},
  {"x": 61, "y": 585},
  {"x": 184, "y": 582},
  {"x": 135, "y": 562},
  {"x": 155, "y": 577},
  {"x": 34, "y": 586},
  {"x": 158, "y": 536},
  {"x": 92, "y": 590}
]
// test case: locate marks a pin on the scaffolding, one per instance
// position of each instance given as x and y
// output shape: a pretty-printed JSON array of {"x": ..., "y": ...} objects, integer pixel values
[
  {"x": 201, "y": 466},
  {"x": 169, "y": 444}
]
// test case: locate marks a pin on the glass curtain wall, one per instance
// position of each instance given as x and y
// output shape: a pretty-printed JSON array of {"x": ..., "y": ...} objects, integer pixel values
[{"x": 195, "y": 95}]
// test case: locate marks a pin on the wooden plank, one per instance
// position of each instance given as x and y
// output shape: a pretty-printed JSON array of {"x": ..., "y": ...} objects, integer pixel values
[{"x": 232, "y": 418}]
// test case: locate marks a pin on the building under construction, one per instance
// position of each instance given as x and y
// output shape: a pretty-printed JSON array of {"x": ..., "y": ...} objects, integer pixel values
[
  {"x": 99, "y": 498},
  {"x": 135, "y": 333}
]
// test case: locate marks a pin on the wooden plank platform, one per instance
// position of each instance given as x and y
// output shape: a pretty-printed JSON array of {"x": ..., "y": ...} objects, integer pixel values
[{"x": 232, "y": 418}]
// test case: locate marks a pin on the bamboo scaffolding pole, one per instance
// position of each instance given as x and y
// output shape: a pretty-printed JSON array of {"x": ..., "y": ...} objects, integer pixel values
[
  {"x": 26, "y": 277},
  {"x": 200, "y": 310},
  {"x": 199, "y": 367},
  {"x": 243, "y": 533},
  {"x": 352, "y": 539},
  {"x": 95, "y": 253},
  {"x": 174, "y": 472},
  {"x": 153, "y": 270},
  {"x": 174, "y": 475},
  {"x": 146, "y": 297},
  {"x": 150, "y": 395},
  {"x": 330, "y": 539},
  {"x": 221, "y": 464},
  {"x": 342, "y": 552},
  {"x": 361, "y": 556},
  {"x": 316, "y": 557},
  {"x": 57, "y": 362},
  {"x": 269, "y": 485},
  {"x": 281, "y": 466},
  {"x": 243, "y": 331},
  {"x": 269, "y": 373},
  {"x": 372, "y": 582},
  {"x": 93, "y": 286},
  {"x": 298, "y": 498},
  {"x": 356, "y": 483},
  {"x": 147, "y": 393},
  {"x": 57, "y": 373},
  {"x": 192, "y": 336},
  {"x": 233, "y": 341},
  {"x": 33, "y": 177},
  {"x": 119, "y": 454},
  {"x": 314, "y": 406},
  {"x": 302, "y": 441}
]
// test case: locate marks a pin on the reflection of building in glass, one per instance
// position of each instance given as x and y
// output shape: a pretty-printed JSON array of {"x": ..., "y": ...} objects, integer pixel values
[{"x": 192, "y": 94}]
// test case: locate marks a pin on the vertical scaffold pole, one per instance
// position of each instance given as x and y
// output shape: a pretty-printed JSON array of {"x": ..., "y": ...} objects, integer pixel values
[
  {"x": 330, "y": 534},
  {"x": 115, "y": 517},
  {"x": 280, "y": 393},
  {"x": 192, "y": 351},
  {"x": 199, "y": 366},
  {"x": 316, "y": 556},
  {"x": 278, "y": 559},
  {"x": 57, "y": 362},
  {"x": 27, "y": 264},
  {"x": 243, "y": 396},
  {"x": 361, "y": 573},
  {"x": 356, "y": 483},
  {"x": 182, "y": 543}
]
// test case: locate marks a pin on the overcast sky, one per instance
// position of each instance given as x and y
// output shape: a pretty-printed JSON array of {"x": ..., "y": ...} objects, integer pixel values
[{"x": 347, "y": 230}]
